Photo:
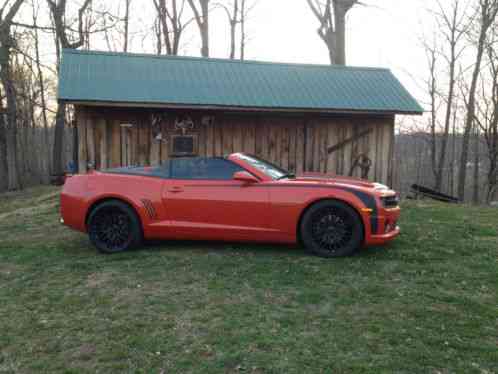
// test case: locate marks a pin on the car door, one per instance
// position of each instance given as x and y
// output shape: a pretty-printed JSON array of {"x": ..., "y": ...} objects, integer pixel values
[{"x": 203, "y": 201}]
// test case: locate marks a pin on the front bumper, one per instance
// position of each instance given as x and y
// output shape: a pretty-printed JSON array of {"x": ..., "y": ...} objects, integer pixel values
[
  {"x": 388, "y": 228},
  {"x": 383, "y": 238}
]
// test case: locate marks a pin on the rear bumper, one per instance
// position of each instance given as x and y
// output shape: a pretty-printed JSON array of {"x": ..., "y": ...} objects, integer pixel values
[{"x": 73, "y": 212}]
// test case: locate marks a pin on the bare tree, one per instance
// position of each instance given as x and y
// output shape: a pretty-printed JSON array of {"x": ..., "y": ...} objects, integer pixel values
[
  {"x": 488, "y": 10},
  {"x": 3, "y": 148},
  {"x": 487, "y": 117},
  {"x": 452, "y": 28},
  {"x": 41, "y": 83},
  {"x": 171, "y": 24},
  {"x": 233, "y": 14},
  {"x": 158, "y": 33},
  {"x": 200, "y": 8},
  {"x": 237, "y": 12},
  {"x": 64, "y": 39},
  {"x": 7, "y": 79},
  {"x": 477, "y": 166},
  {"x": 126, "y": 22},
  {"x": 243, "y": 36},
  {"x": 332, "y": 17}
]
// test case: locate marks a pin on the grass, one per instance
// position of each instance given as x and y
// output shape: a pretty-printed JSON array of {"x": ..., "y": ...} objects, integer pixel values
[{"x": 428, "y": 303}]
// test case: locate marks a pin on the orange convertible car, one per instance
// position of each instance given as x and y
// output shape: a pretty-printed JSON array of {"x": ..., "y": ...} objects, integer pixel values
[{"x": 236, "y": 198}]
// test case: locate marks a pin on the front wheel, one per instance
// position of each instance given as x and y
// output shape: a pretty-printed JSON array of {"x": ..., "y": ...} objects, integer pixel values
[
  {"x": 332, "y": 229},
  {"x": 114, "y": 227}
]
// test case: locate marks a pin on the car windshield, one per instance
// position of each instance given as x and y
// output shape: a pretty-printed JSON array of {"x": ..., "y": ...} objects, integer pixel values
[{"x": 273, "y": 171}]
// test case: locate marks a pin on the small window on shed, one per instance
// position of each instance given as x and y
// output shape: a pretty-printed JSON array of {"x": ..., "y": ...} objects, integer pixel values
[{"x": 184, "y": 145}]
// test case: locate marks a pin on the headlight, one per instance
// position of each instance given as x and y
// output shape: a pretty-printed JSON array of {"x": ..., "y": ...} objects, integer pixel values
[
  {"x": 380, "y": 187},
  {"x": 390, "y": 201}
]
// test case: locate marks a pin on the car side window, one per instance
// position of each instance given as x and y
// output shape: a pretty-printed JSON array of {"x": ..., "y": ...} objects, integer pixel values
[
  {"x": 163, "y": 170},
  {"x": 203, "y": 168}
]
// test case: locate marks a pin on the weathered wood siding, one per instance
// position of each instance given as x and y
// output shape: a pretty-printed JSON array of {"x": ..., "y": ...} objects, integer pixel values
[{"x": 298, "y": 142}]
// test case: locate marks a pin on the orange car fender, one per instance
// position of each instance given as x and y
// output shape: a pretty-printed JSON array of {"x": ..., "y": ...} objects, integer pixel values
[
  {"x": 96, "y": 200},
  {"x": 354, "y": 198}
]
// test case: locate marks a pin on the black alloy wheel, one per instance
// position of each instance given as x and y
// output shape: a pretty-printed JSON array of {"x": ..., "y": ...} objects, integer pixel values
[
  {"x": 332, "y": 229},
  {"x": 113, "y": 227}
]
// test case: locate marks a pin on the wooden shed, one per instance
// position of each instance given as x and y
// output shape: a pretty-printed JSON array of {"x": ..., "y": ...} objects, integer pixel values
[{"x": 134, "y": 109}]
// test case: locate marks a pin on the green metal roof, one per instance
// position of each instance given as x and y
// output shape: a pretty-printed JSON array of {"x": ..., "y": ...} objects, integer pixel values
[{"x": 88, "y": 76}]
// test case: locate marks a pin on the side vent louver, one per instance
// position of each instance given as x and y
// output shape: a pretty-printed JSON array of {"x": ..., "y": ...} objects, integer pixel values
[{"x": 149, "y": 207}]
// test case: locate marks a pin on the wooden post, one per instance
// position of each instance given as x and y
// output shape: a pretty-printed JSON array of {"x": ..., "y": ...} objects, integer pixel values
[
  {"x": 300, "y": 139},
  {"x": 101, "y": 143},
  {"x": 90, "y": 137},
  {"x": 82, "y": 144},
  {"x": 115, "y": 144}
]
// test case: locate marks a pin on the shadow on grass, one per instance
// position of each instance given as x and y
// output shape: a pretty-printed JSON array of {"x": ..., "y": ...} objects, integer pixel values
[
  {"x": 81, "y": 245},
  {"x": 255, "y": 249},
  {"x": 226, "y": 248},
  {"x": 377, "y": 251}
]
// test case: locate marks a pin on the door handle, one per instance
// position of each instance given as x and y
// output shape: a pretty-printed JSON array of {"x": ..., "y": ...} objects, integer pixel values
[{"x": 175, "y": 189}]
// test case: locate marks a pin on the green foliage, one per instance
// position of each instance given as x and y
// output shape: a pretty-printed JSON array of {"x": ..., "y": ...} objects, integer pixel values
[{"x": 426, "y": 303}]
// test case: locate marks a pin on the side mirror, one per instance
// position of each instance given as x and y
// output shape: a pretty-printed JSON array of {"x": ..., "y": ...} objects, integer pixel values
[{"x": 244, "y": 176}]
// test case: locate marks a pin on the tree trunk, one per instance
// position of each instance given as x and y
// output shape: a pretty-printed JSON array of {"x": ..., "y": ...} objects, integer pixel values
[
  {"x": 464, "y": 157},
  {"x": 170, "y": 24},
  {"x": 475, "y": 196},
  {"x": 488, "y": 15},
  {"x": 126, "y": 26},
  {"x": 13, "y": 179},
  {"x": 202, "y": 19},
  {"x": 45, "y": 154},
  {"x": 332, "y": 30},
  {"x": 331, "y": 42},
  {"x": 58, "y": 162},
  {"x": 3, "y": 152},
  {"x": 14, "y": 182},
  {"x": 432, "y": 94},
  {"x": 447, "y": 120},
  {"x": 453, "y": 154},
  {"x": 205, "y": 38},
  {"x": 205, "y": 28},
  {"x": 242, "y": 30},
  {"x": 492, "y": 180},
  {"x": 493, "y": 166},
  {"x": 62, "y": 40},
  {"x": 233, "y": 27},
  {"x": 340, "y": 35},
  {"x": 76, "y": 138},
  {"x": 159, "y": 37}
]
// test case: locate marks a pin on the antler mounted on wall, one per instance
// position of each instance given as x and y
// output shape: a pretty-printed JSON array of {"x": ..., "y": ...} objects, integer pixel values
[
  {"x": 156, "y": 121},
  {"x": 184, "y": 124}
]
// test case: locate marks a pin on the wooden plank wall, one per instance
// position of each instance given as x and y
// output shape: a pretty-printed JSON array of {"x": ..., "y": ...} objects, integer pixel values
[{"x": 297, "y": 143}]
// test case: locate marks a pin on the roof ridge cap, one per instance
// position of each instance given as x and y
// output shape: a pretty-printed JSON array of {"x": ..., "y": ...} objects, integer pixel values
[{"x": 212, "y": 59}]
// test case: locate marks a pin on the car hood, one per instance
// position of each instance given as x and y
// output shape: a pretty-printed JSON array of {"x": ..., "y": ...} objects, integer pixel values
[{"x": 331, "y": 179}]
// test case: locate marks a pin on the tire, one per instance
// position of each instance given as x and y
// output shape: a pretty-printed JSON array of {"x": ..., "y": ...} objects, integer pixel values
[
  {"x": 114, "y": 227},
  {"x": 332, "y": 229}
]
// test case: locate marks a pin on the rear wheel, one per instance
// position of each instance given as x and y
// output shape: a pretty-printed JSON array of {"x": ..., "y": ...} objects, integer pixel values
[
  {"x": 114, "y": 227},
  {"x": 332, "y": 229}
]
